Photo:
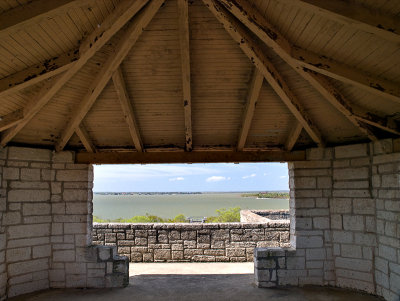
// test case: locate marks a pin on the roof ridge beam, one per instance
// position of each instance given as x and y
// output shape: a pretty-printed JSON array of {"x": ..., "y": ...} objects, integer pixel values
[
  {"x": 252, "y": 49},
  {"x": 97, "y": 39},
  {"x": 129, "y": 38},
  {"x": 251, "y": 103},
  {"x": 129, "y": 115},
  {"x": 183, "y": 22},
  {"x": 74, "y": 59},
  {"x": 257, "y": 23}
]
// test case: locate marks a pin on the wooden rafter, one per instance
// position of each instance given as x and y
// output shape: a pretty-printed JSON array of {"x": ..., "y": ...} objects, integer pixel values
[
  {"x": 183, "y": 19},
  {"x": 188, "y": 157},
  {"x": 270, "y": 36},
  {"x": 254, "y": 92},
  {"x": 127, "y": 109},
  {"x": 293, "y": 136},
  {"x": 85, "y": 139},
  {"x": 255, "y": 53},
  {"x": 34, "y": 12},
  {"x": 11, "y": 119},
  {"x": 127, "y": 41},
  {"x": 97, "y": 39},
  {"x": 354, "y": 15},
  {"x": 252, "y": 18},
  {"x": 74, "y": 59}
]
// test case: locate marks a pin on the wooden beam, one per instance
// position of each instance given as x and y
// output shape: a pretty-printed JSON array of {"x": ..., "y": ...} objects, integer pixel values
[
  {"x": 252, "y": 18},
  {"x": 127, "y": 41},
  {"x": 336, "y": 99},
  {"x": 9, "y": 120},
  {"x": 34, "y": 12},
  {"x": 252, "y": 97},
  {"x": 187, "y": 157},
  {"x": 293, "y": 136},
  {"x": 183, "y": 21},
  {"x": 85, "y": 139},
  {"x": 99, "y": 37},
  {"x": 356, "y": 16},
  {"x": 127, "y": 109},
  {"x": 257, "y": 56}
]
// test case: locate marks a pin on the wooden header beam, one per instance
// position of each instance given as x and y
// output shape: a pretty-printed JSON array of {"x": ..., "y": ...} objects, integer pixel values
[{"x": 188, "y": 157}]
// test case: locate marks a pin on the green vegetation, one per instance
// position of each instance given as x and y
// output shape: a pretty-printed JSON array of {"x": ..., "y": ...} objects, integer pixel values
[
  {"x": 268, "y": 195},
  {"x": 223, "y": 216}
]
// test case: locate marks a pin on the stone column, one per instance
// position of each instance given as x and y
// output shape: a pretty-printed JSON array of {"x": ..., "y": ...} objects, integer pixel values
[{"x": 3, "y": 239}]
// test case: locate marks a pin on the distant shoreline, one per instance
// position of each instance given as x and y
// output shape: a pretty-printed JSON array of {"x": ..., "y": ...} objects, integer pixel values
[{"x": 262, "y": 195}]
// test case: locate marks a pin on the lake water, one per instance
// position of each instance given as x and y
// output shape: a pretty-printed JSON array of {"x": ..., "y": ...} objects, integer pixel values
[{"x": 168, "y": 206}]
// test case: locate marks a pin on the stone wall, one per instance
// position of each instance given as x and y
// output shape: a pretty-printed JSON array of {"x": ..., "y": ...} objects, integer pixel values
[
  {"x": 46, "y": 218},
  {"x": 263, "y": 216},
  {"x": 345, "y": 211},
  {"x": 191, "y": 242}
]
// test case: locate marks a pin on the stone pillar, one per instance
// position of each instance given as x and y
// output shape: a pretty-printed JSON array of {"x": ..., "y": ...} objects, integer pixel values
[
  {"x": 3, "y": 239},
  {"x": 345, "y": 231},
  {"x": 47, "y": 221}
]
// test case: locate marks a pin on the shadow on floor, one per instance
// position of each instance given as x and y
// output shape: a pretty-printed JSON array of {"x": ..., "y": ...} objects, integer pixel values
[{"x": 238, "y": 287}]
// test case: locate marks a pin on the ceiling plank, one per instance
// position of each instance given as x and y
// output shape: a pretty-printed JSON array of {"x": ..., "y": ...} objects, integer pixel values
[
  {"x": 127, "y": 41},
  {"x": 85, "y": 139},
  {"x": 252, "y": 97},
  {"x": 188, "y": 157},
  {"x": 98, "y": 38},
  {"x": 73, "y": 60},
  {"x": 357, "y": 16},
  {"x": 11, "y": 119},
  {"x": 336, "y": 99},
  {"x": 293, "y": 136},
  {"x": 183, "y": 20},
  {"x": 255, "y": 53},
  {"x": 36, "y": 11},
  {"x": 127, "y": 109},
  {"x": 252, "y": 18}
]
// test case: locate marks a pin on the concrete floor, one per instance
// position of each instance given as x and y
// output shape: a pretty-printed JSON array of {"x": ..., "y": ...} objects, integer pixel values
[{"x": 195, "y": 281}]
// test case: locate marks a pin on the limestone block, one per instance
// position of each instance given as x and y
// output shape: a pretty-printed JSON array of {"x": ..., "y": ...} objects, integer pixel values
[
  {"x": 28, "y": 185},
  {"x": 351, "y": 251},
  {"x": 11, "y": 218},
  {"x": 74, "y": 176},
  {"x": 10, "y": 173},
  {"x": 63, "y": 157},
  {"x": 30, "y": 174},
  {"x": 351, "y": 151},
  {"x": 75, "y": 228},
  {"x": 28, "y": 154},
  {"x": 64, "y": 256},
  {"x": 309, "y": 242},
  {"x": 341, "y": 205},
  {"x": 353, "y": 222},
  {"x": 361, "y": 265},
  {"x": 27, "y": 231},
  {"x": 75, "y": 281},
  {"x": 28, "y": 195},
  {"x": 76, "y": 195},
  {"x": 162, "y": 254},
  {"x": 19, "y": 254},
  {"x": 28, "y": 287},
  {"x": 19, "y": 268},
  {"x": 77, "y": 207},
  {"x": 36, "y": 209}
]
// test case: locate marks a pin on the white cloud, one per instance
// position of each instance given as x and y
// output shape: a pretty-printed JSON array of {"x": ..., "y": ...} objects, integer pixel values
[
  {"x": 150, "y": 171},
  {"x": 217, "y": 179},
  {"x": 177, "y": 179},
  {"x": 249, "y": 176},
  {"x": 282, "y": 177}
]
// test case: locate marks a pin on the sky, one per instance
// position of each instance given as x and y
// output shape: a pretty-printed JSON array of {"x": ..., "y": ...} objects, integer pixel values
[{"x": 191, "y": 177}]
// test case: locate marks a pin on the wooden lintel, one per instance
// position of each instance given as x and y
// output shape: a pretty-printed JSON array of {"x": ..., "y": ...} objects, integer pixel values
[
  {"x": 356, "y": 16},
  {"x": 188, "y": 157},
  {"x": 183, "y": 21},
  {"x": 85, "y": 139},
  {"x": 128, "y": 39},
  {"x": 9, "y": 120},
  {"x": 252, "y": 97},
  {"x": 129, "y": 115},
  {"x": 256, "y": 22},
  {"x": 100, "y": 36},
  {"x": 257, "y": 56},
  {"x": 33, "y": 12},
  {"x": 293, "y": 136}
]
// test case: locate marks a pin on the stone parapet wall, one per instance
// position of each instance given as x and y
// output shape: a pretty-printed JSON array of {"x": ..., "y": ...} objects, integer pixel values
[
  {"x": 345, "y": 209},
  {"x": 263, "y": 216},
  {"x": 45, "y": 225},
  {"x": 194, "y": 242}
]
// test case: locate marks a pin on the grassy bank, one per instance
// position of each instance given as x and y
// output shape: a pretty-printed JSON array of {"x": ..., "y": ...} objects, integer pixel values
[{"x": 268, "y": 195}]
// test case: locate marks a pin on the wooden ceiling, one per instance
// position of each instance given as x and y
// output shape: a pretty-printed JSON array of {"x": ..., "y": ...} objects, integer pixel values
[{"x": 110, "y": 77}]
